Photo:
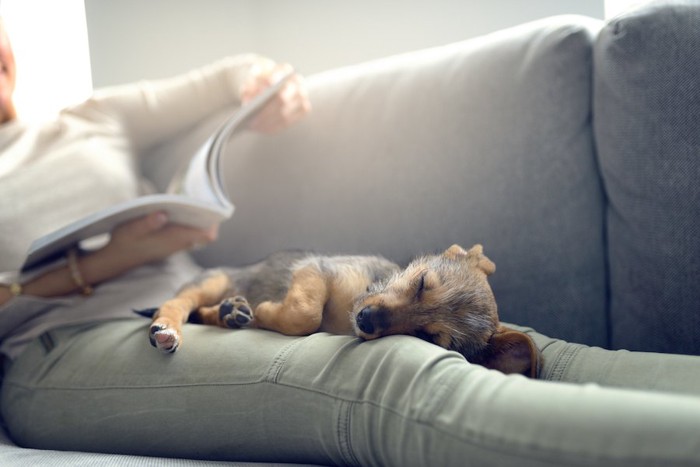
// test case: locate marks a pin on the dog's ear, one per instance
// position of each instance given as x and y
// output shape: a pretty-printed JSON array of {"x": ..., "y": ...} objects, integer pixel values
[
  {"x": 511, "y": 351},
  {"x": 455, "y": 251},
  {"x": 475, "y": 254}
]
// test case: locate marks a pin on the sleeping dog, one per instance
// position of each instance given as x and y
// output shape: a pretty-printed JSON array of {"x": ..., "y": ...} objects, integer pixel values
[{"x": 444, "y": 299}]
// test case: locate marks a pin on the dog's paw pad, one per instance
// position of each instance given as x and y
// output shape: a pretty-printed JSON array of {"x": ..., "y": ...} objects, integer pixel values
[
  {"x": 163, "y": 338},
  {"x": 235, "y": 312}
]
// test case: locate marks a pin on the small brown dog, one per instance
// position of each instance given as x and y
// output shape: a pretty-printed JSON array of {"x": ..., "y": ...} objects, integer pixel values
[{"x": 444, "y": 299}]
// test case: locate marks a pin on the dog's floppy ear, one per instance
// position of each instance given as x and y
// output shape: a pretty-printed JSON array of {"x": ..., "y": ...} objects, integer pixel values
[
  {"x": 455, "y": 251},
  {"x": 475, "y": 254},
  {"x": 485, "y": 264},
  {"x": 511, "y": 351}
]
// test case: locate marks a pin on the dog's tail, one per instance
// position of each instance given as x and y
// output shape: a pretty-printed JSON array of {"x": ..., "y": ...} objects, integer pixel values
[{"x": 146, "y": 312}]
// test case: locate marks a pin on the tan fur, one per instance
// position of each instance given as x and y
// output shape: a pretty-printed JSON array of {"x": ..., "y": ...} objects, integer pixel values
[
  {"x": 445, "y": 299},
  {"x": 301, "y": 311}
]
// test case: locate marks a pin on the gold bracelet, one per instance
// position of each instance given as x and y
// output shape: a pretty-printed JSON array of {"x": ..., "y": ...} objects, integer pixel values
[
  {"x": 15, "y": 289},
  {"x": 85, "y": 288}
]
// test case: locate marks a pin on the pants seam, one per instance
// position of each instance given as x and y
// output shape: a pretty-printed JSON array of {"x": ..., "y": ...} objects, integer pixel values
[
  {"x": 562, "y": 362},
  {"x": 273, "y": 372},
  {"x": 344, "y": 437}
]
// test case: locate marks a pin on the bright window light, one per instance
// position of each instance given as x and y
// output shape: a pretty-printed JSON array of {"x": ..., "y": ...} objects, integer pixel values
[{"x": 50, "y": 42}]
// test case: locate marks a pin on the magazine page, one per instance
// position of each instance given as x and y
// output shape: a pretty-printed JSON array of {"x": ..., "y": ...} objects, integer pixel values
[
  {"x": 194, "y": 179},
  {"x": 201, "y": 178}
]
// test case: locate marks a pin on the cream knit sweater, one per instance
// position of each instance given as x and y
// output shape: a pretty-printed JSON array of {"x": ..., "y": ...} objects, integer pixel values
[{"x": 87, "y": 159}]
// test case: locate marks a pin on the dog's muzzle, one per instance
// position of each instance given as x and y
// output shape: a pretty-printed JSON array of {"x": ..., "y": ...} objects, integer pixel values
[
  {"x": 373, "y": 321},
  {"x": 364, "y": 320}
]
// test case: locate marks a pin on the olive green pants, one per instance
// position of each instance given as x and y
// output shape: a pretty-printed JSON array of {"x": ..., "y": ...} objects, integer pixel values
[{"x": 398, "y": 401}]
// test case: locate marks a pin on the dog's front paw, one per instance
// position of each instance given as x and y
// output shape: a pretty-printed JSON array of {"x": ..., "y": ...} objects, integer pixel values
[
  {"x": 163, "y": 338},
  {"x": 235, "y": 312}
]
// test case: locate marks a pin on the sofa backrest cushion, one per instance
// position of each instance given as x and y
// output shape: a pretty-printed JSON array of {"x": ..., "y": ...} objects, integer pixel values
[
  {"x": 647, "y": 127},
  {"x": 485, "y": 141}
]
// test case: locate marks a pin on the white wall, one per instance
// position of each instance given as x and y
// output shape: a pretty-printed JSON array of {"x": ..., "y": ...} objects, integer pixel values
[{"x": 134, "y": 39}]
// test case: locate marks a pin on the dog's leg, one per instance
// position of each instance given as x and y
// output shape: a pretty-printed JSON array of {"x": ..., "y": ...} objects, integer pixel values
[
  {"x": 233, "y": 312},
  {"x": 165, "y": 332},
  {"x": 301, "y": 311}
]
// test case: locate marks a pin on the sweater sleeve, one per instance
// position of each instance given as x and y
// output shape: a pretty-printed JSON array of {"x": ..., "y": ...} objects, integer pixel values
[{"x": 151, "y": 112}]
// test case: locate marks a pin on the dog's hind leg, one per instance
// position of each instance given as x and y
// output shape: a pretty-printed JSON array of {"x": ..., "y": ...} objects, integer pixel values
[
  {"x": 165, "y": 332},
  {"x": 301, "y": 311},
  {"x": 232, "y": 312}
]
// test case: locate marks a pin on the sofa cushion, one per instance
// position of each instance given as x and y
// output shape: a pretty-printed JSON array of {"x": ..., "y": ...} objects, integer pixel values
[
  {"x": 488, "y": 140},
  {"x": 647, "y": 114}
]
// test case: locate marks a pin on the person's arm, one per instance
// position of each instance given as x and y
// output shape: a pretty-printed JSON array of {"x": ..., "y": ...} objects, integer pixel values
[
  {"x": 133, "y": 244},
  {"x": 154, "y": 111}
]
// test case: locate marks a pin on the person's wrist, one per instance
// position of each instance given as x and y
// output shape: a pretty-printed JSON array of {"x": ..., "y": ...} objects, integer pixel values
[
  {"x": 9, "y": 291},
  {"x": 105, "y": 263},
  {"x": 110, "y": 261},
  {"x": 76, "y": 274}
]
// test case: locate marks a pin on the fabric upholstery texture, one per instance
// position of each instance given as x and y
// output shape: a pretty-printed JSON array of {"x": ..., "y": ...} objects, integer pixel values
[{"x": 647, "y": 117}]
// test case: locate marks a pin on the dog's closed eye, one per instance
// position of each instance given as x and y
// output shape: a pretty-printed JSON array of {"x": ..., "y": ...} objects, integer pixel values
[
  {"x": 421, "y": 286},
  {"x": 426, "y": 281}
]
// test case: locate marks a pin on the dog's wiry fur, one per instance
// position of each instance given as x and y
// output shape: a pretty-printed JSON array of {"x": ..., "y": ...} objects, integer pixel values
[{"x": 444, "y": 299}]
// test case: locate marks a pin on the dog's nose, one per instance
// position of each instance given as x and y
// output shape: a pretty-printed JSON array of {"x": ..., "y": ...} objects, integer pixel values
[{"x": 364, "y": 320}]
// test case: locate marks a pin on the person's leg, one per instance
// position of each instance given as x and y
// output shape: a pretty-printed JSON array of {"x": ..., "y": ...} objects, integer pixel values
[
  {"x": 258, "y": 395},
  {"x": 576, "y": 363}
]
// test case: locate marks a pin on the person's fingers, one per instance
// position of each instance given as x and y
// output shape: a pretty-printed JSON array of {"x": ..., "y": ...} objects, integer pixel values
[
  {"x": 152, "y": 238},
  {"x": 273, "y": 122},
  {"x": 141, "y": 226},
  {"x": 289, "y": 106},
  {"x": 174, "y": 238},
  {"x": 264, "y": 79}
]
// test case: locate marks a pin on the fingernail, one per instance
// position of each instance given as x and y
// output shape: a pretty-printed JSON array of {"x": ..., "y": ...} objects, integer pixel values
[{"x": 159, "y": 219}]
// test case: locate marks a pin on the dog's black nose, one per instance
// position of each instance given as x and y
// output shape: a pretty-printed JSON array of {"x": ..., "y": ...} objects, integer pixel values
[{"x": 364, "y": 320}]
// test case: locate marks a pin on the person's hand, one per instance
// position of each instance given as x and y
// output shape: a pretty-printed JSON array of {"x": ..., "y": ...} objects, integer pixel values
[
  {"x": 148, "y": 239},
  {"x": 132, "y": 244},
  {"x": 287, "y": 107}
]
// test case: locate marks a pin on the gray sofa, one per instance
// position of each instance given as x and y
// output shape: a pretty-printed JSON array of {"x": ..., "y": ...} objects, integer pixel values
[{"x": 568, "y": 147}]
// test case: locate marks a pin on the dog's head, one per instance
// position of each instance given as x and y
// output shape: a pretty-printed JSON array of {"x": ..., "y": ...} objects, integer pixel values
[{"x": 446, "y": 299}]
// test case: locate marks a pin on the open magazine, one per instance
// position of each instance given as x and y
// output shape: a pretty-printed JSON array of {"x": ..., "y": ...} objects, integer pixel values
[{"x": 196, "y": 195}]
